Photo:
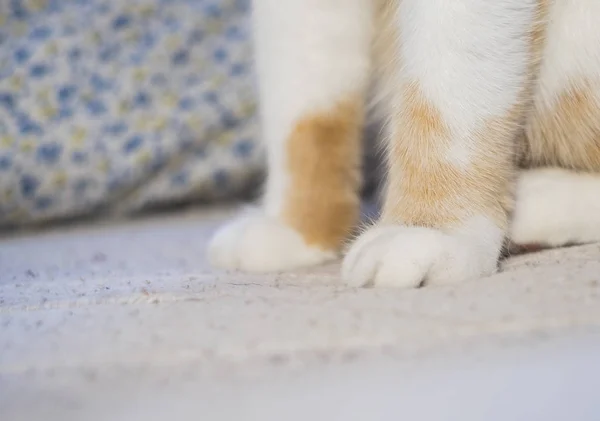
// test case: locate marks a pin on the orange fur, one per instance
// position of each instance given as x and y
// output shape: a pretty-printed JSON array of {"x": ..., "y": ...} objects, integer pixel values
[
  {"x": 538, "y": 35},
  {"x": 425, "y": 189},
  {"x": 322, "y": 201},
  {"x": 384, "y": 49},
  {"x": 567, "y": 134}
]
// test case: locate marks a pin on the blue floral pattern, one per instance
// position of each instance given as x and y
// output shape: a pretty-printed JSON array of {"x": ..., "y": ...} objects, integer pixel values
[{"x": 123, "y": 104}]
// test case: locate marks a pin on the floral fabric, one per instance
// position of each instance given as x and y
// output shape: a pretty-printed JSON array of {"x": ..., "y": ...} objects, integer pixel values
[{"x": 123, "y": 105}]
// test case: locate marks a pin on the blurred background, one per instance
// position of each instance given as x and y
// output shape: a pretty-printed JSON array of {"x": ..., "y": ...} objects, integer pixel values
[{"x": 117, "y": 107}]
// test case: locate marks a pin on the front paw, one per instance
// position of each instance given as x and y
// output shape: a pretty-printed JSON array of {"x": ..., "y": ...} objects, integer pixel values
[
  {"x": 409, "y": 257},
  {"x": 255, "y": 242}
]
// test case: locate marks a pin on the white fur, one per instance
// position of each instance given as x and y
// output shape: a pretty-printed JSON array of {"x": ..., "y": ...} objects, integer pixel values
[
  {"x": 571, "y": 50},
  {"x": 310, "y": 54},
  {"x": 469, "y": 57},
  {"x": 556, "y": 207},
  {"x": 255, "y": 243},
  {"x": 406, "y": 257}
]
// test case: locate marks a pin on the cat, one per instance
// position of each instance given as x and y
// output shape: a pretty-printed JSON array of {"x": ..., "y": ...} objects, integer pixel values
[{"x": 492, "y": 131}]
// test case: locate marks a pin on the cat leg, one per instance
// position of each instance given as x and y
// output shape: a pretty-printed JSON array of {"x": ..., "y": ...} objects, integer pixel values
[
  {"x": 312, "y": 59},
  {"x": 460, "y": 84},
  {"x": 556, "y": 207}
]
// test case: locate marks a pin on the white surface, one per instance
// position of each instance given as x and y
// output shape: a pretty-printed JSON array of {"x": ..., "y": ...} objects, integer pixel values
[{"x": 126, "y": 321}]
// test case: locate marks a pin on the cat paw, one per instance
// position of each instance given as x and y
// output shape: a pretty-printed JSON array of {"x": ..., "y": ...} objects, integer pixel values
[
  {"x": 257, "y": 243},
  {"x": 409, "y": 257}
]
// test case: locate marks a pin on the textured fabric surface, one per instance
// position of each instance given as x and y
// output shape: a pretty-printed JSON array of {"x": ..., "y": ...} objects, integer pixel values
[
  {"x": 123, "y": 105},
  {"x": 127, "y": 321}
]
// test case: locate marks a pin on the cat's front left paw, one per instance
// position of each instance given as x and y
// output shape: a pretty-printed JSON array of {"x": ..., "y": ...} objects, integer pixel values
[
  {"x": 409, "y": 257},
  {"x": 254, "y": 242}
]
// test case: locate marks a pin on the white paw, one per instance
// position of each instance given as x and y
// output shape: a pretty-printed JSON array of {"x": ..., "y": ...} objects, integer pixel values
[
  {"x": 556, "y": 207},
  {"x": 257, "y": 243},
  {"x": 408, "y": 257}
]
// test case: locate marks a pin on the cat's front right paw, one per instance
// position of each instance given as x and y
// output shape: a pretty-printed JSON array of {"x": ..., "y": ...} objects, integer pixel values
[
  {"x": 255, "y": 242},
  {"x": 408, "y": 257}
]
